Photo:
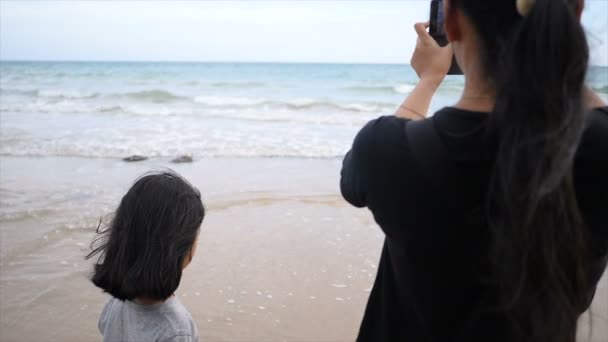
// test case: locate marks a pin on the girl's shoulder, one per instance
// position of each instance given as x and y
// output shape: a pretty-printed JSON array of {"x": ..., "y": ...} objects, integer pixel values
[
  {"x": 180, "y": 320},
  {"x": 106, "y": 314},
  {"x": 122, "y": 320}
]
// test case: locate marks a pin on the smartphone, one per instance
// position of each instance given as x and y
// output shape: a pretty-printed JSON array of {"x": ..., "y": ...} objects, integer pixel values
[{"x": 437, "y": 31}]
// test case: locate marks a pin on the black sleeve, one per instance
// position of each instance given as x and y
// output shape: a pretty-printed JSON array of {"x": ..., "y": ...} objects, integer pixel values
[
  {"x": 355, "y": 175},
  {"x": 591, "y": 169}
]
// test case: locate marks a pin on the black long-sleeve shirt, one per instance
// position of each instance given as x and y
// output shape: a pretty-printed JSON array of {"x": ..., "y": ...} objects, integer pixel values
[{"x": 429, "y": 277}]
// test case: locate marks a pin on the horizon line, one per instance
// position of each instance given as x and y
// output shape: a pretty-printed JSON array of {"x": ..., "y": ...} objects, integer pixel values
[
  {"x": 193, "y": 61},
  {"x": 208, "y": 61}
]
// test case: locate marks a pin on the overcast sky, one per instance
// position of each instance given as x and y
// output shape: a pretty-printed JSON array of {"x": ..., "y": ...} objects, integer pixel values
[{"x": 255, "y": 31}]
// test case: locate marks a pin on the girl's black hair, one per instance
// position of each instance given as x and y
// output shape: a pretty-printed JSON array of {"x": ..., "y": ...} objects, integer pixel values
[
  {"x": 152, "y": 232},
  {"x": 537, "y": 65}
]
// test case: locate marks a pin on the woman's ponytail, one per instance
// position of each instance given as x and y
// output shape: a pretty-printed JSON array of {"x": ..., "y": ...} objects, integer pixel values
[{"x": 537, "y": 62}]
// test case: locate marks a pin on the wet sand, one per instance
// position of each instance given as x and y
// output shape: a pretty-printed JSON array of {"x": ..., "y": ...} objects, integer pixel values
[{"x": 281, "y": 256}]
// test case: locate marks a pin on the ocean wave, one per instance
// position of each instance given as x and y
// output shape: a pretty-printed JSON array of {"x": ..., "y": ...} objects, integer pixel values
[
  {"x": 56, "y": 94},
  {"x": 22, "y": 92},
  {"x": 335, "y": 119},
  {"x": 257, "y": 114},
  {"x": 371, "y": 89},
  {"x": 110, "y": 109},
  {"x": 154, "y": 95},
  {"x": 398, "y": 89},
  {"x": 238, "y": 85},
  {"x": 351, "y": 107},
  {"x": 146, "y": 102},
  {"x": 274, "y": 148},
  {"x": 168, "y": 158},
  {"x": 308, "y": 136},
  {"x": 314, "y": 112},
  {"x": 65, "y": 94},
  {"x": 58, "y": 99},
  {"x": 293, "y": 104},
  {"x": 227, "y": 101},
  {"x": 62, "y": 107},
  {"x": 354, "y": 116}
]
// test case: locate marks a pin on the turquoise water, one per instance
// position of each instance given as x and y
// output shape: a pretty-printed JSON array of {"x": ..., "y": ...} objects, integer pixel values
[{"x": 108, "y": 110}]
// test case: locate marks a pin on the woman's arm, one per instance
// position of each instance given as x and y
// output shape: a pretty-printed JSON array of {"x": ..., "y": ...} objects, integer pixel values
[
  {"x": 431, "y": 62},
  {"x": 416, "y": 105},
  {"x": 355, "y": 175}
]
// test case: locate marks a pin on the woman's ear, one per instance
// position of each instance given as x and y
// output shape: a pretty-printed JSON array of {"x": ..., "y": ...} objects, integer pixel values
[
  {"x": 452, "y": 21},
  {"x": 580, "y": 6}
]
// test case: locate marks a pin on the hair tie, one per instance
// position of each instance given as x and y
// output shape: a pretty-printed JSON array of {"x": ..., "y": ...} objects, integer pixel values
[{"x": 524, "y": 6}]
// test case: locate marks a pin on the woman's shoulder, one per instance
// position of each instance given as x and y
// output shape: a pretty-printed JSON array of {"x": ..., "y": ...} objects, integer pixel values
[
  {"x": 383, "y": 125},
  {"x": 381, "y": 134},
  {"x": 388, "y": 138}
]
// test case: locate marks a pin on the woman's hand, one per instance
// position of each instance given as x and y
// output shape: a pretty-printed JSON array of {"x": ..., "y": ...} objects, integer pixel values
[{"x": 430, "y": 61}]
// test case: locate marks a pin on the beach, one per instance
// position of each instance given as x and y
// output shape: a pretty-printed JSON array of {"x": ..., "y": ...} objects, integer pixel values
[{"x": 281, "y": 256}]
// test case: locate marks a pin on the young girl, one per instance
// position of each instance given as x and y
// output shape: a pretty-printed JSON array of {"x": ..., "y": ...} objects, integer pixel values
[{"x": 150, "y": 240}]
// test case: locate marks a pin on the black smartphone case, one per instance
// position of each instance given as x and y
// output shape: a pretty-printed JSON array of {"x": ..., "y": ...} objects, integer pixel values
[{"x": 436, "y": 31}]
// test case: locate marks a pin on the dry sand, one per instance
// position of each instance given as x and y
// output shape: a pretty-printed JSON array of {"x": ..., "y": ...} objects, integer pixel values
[{"x": 281, "y": 256}]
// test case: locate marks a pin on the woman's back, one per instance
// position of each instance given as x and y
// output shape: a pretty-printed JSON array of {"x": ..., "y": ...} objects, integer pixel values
[{"x": 434, "y": 281}]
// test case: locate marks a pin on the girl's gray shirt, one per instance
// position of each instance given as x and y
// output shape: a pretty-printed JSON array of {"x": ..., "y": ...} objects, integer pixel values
[{"x": 169, "y": 321}]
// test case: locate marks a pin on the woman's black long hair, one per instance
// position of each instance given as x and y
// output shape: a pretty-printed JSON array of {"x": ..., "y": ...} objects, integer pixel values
[
  {"x": 537, "y": 64},
  {"x": 142, "y": 252}
]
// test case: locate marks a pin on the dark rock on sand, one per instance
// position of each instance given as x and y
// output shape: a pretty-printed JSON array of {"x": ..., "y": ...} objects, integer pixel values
[
  {"x": 135, "y": 158},
  {"x": 182, "y": 159}
]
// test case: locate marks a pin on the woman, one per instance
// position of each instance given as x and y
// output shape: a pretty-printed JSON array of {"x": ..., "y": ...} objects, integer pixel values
[{"x": 494, "y": 210}]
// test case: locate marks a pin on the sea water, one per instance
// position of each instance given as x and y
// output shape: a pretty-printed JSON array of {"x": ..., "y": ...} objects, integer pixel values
[{"x": 113, "y": 109}]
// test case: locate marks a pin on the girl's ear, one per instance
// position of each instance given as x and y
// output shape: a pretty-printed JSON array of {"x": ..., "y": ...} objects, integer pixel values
[
  {"x": 190, "y": 254},
  {"x": 187, "y": 259},
  {"x": 452, "y": 21}
]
